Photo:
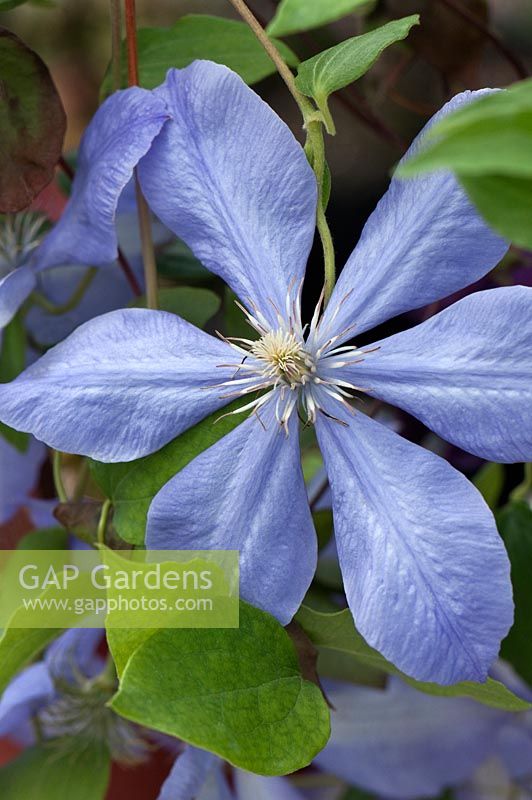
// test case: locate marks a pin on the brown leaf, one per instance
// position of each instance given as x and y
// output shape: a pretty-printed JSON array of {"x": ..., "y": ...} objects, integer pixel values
[{"x": 32, "y": 124}]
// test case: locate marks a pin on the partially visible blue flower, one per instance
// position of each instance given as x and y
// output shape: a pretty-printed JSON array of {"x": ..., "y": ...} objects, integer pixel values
[
  {"x": 25, "y": 254},
  {"x": 425, "y": 572},
  {"x": 19, "y": 476},
  {"x": 403, "y": 744},
  {"x": 34, "y": 689},
  {"x": 199, "y": 775},
  {"x": 65, "y": 695},
  {"x": 108, "y": 290}
]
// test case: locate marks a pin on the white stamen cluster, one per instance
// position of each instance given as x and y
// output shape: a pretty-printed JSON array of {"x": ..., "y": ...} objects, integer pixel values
[
  {"x": 284, "y": 365},
  {"x": 19, "y": 236}
]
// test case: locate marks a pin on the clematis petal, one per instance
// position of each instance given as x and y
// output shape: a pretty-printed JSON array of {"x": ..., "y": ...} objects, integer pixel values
[
  {"x": 24, "y": 696},
  {"x": 425, "y": 571},
  {"x": 19, "y": 473},
  {"x": 188, "y": 775},
  {"x": 120, "y": 387},
  {"x": 404, "y": 744},
  {"x": 466, "y": 373},
  {"x": 245, "y": 493},
  {"x": 14, "y": 289},
  {"x": 515, "y": 747},
  {"x": 258, "y": 787},
  {"x": 75, "y": 652},
  {"x": 424, "y": 241},
  {"x": 119, "y": 134},
  {"x": 229, "y": 178}
]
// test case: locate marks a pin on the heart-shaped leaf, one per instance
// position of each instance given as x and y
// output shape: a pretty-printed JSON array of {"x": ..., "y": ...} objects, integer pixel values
[{"x": 237, "y": 692}]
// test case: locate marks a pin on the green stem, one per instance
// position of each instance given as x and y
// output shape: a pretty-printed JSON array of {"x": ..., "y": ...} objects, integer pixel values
[
  {"x": 283, "y": 69},
  {"x": 58, "y": 479},
  {"x": 42, "y": 301},
  {"x": 102, "y": 523},
  {"x": 148, "y": 249},
  {"x": 83, "y": 479},
  {"x": 314, "y": 146},
  {"x": 317, "y": 154}
]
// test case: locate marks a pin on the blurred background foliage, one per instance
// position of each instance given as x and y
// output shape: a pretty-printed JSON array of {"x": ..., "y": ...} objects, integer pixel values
[{"x": 374, "y": 120}]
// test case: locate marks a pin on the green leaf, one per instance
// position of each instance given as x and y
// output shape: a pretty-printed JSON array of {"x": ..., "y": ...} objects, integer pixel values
[
  {"x": 323, "y": 522},
  {"x": 193, "y": 304},
  {"x": 132, "y": 486},
  {"x": 236, "y": 692},
  {"x": 19, "y": 646},
  {"x": 505, "y": 203},
  {"x": 44, "y": 539},
  {"x": 294, "y": 16},
  {"x": 124, "y": 642},
  {"x": 337, "y": 632},
  {"x": 489, "y": 480},
  {"x": 515, "y": 526},
  {"x": 45, "y": 772},
  {"x": 179, "y": 263},
  {"x": 12, "y": 362},
  {"x": 344, "y": 63},
  {"x": 491, "y": 136},
  {"x": 32, "y": 124},
  {"x": 200, "y": 36},
  {"x": 13, "y": 350},
  {"x": 488, "y": 144}
]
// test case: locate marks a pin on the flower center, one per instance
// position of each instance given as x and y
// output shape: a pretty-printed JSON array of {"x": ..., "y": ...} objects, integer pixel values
[
  {"x": 284, "y": 357},
  {"x": 292, "y": 366}
]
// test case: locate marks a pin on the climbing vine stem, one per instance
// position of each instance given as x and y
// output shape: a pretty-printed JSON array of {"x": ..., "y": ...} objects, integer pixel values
[{"x": 314, "y": 146}]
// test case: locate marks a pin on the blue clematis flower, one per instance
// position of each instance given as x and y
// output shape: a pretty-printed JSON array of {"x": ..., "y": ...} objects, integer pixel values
[
  {"x": 34, "y": 691},
  {"x": 109, "y": 288},
  {"x": 403, "y": 744},
  {"x": 66, "y": 695},
  {"x": 426, "y": 575}
]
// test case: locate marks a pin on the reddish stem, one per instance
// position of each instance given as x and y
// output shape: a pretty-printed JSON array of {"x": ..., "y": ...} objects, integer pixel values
[
  {"x": 128, "y": 272},
  {"x": 131, "y": 35},
  {"x": 146, "y": 239},
  {"x": 66, "y": 167}
]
